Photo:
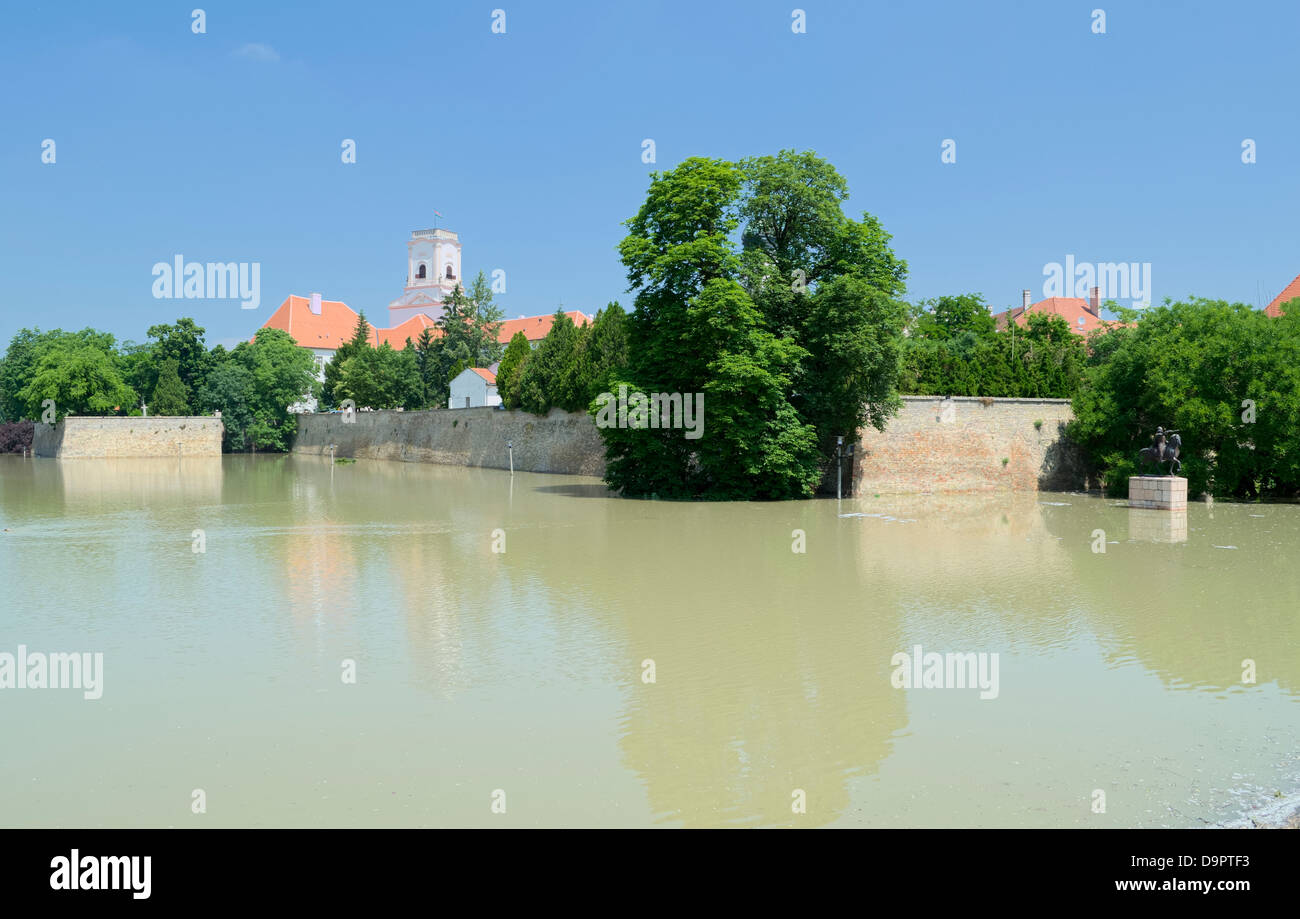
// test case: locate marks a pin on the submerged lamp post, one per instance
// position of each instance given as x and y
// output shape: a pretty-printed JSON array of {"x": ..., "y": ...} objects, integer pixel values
[
  {"x": 510, "y": 445},
  {"x": 839, "y": 451}
]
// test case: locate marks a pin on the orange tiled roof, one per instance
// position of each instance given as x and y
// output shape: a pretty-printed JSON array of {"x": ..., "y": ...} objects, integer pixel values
[
  {"x": 486, "y": 374},
  {"x": 330, "y": 329},
  {"x": 398, "y": 334},
  {"x": 337, "y": 321},
  {"x": 536, "y": 327},
  {"x": 1071, "y": 309},
  {"x": 1291, "y": 292}
]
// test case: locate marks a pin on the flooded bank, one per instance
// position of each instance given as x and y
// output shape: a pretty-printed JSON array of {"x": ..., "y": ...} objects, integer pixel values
[{"x": 609, "y": 662}]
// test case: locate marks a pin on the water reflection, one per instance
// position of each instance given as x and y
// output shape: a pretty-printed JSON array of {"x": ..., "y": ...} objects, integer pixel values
[
  {"x": 1165, "y": 526},
  {"x": 771, "y": 665}
]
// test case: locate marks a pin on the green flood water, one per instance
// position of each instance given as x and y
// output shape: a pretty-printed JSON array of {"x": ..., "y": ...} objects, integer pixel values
[{"x": 520, "y": 677}]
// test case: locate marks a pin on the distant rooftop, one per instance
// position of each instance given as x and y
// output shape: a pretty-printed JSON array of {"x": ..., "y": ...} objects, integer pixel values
[{"x": 1291, "y": 292}]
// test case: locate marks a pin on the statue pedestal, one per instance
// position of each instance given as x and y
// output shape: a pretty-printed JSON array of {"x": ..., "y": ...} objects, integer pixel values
[{"x": 1160, "y": 492}]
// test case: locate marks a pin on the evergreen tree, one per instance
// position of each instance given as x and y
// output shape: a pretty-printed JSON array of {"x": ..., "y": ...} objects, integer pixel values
[
  {"x": 170, "y": 395},
  {"x": 334, "y": 369},
  {"x": 511, "y": 369},
  {"x": 604, "y": 353},
  {"x": 548, "y": 377},
  {"x": 484, "y": 323},
  {"x": 427, "y": 370}
]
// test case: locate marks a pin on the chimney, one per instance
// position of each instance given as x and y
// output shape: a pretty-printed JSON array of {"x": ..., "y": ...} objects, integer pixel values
[
  {"x": 1024, "y": 300},
  {"x": 1094, "y": 301},
  {"x": 315, "y": 304}
]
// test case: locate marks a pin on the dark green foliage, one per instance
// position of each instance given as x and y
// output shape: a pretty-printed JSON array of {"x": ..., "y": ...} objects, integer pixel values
[
  {"x": 227, "y": 390},
  {"x": 85, "y": 373},
  {"x": 510, "y": 371},
  {"x": 550, "y": 378},
  {"x": 431, "y": 383},
  {"x": 849, "y": 376},
  {"x": 793, "y": 338},
  {"x": 382, "y": 378},
  {"x": 80, "y": 378},
  {"x": 953, "y": 350},
  {"x": 27, "y": 349},
  {"x": 604, "y": 354},
  {"x": 183, "y": 343},
  {"x": 360, "y": 340},
  {"x": 470, "y": 325},
  {"x": 170, "y": 396},
  {"x": 1197, "y": 367},
  {"x": 254, "y": 387},
  {"x": 949, "y": 317}
]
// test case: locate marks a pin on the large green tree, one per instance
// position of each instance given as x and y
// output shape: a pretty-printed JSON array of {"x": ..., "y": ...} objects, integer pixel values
[
  {"x": 810, "y": 296},
  {"x": 25, "y": 352},
  {"x": 382, "y": 378},
  {"x": 949, "y": 317},
  {"x": 231, "y": 389},
  {"x": 80, "y": 378},
  {"x": 470, "y": 324},
  {"x": 182, "y": 343},
  {"x": 255, "y": 386},
  {"x": 1223, "y": 374}
]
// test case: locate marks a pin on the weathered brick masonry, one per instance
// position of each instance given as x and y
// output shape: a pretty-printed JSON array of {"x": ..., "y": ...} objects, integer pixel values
[
  {"x": 923, "y": 449},
  {"x": 82, "y": 437},
  {"x": 960, "y": 445},
  {"x": 562, "y": 442}
]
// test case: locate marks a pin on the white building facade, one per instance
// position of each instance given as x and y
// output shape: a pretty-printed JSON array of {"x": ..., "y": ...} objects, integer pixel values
[{"x": 474, "y": 387}]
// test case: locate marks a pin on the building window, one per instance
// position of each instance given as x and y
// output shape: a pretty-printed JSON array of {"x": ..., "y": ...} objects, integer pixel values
[
  {"x": 451, "y": 275},
  {"x": 419, "y": 272}
]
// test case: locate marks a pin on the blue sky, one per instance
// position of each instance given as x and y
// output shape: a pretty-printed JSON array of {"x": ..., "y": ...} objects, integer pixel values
[{"x": 1117, "y": 147}]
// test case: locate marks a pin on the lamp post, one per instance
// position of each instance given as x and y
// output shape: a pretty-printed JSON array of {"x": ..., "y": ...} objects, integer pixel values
[
  {"x": 510, "y": 445},
  {"x": 839, "y": 450}
]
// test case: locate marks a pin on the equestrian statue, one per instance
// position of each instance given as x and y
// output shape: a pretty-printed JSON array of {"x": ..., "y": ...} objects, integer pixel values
[{"x": 1165, "y": 447}]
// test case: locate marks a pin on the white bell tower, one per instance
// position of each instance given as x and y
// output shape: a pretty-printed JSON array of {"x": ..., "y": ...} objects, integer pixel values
[{"x": 432, "y": 272}]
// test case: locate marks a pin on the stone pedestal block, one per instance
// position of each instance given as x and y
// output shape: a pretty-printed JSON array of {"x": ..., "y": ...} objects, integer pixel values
[{"x": 1159, "y": 492}]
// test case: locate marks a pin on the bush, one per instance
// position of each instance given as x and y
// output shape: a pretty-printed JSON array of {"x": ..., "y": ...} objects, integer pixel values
[{"x": 15, "y": 436}]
